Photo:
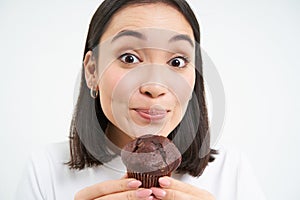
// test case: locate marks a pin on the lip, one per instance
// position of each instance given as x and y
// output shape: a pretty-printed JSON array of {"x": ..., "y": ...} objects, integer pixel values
[{"x": 152, "y": 114}]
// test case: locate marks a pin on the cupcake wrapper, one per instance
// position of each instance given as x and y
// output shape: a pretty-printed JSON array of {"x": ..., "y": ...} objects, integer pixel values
[{"x": 147, "y": 180}]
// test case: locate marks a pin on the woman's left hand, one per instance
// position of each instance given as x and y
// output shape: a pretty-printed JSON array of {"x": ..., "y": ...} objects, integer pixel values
[{"x": 172, "y": 189}]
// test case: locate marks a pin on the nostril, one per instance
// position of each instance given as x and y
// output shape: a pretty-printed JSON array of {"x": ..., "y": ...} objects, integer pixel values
[
  {"x": 153, "y": 90},
  {"x": 148, "y": 93}
]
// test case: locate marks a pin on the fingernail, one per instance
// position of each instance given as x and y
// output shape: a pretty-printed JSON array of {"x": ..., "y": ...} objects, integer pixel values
[
  {"x": 134, "y": 184},
  {"x": 150, "y": 198},
  {"x": 159, "y": 193},
  {"x": 164, "y": 182},
  {"x": 143, "y": 193}
]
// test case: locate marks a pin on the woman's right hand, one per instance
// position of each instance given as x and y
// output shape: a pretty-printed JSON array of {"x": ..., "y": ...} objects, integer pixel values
[{"x": 123, "y": 189}]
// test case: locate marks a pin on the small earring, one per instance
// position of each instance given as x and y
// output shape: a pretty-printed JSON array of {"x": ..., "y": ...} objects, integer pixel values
[{"x": 94, "y": 93}]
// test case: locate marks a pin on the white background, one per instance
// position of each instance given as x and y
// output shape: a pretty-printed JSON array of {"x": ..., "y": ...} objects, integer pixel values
[{"x": 253, "y": 43}]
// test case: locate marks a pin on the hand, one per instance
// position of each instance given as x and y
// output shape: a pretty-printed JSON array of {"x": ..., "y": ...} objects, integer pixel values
[
  {"x": 123, "y": 189},
  {"x": 172, "y": 189}
]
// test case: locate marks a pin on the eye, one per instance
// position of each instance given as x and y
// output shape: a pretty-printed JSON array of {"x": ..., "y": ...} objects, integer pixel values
[
  {"x": 129, "y": 58},
  {"x": 178, "y": 62}
]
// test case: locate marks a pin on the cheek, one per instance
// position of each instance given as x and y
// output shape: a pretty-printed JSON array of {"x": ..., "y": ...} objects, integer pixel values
[
  {"x": 189, "y": 80},
  {"x": 109, "y": 80},
  {"x": 190, "y": 77},
  {"x": 187, "y": 83}
]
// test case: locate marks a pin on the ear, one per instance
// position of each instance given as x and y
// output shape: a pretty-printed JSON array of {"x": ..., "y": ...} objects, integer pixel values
[{"x": 90, "y": 71}]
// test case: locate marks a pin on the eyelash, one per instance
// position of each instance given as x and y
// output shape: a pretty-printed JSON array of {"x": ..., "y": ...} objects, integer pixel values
[
  {"x": 185, "y": 59},
  {"x": 122, "y": 58}
]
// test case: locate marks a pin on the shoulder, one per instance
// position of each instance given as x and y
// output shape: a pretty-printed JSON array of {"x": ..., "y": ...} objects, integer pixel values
[
  {"x": 224, "y": 167},
  {"x": 231, "y": 175},
  {"x": 59, "y": 152},
  {"x": 47, "y": 161},
  {"x": 230, "y": 160},
  {"x": 54, "y": 152},
  {"x": 227, "y": 157},
  {"x": 37, "y": 179},
  {"x": 234, "y": 159}
]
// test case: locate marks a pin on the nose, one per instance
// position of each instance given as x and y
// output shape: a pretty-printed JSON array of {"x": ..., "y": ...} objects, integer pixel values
[{"x": 153, "y": 90}]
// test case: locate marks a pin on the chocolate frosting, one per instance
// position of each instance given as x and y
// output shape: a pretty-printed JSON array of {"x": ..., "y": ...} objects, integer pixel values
[{"x": 152, "y": 154}]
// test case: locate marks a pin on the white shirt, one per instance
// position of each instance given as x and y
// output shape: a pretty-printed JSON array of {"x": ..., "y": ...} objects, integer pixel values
[{"x": 46, "y": 177}]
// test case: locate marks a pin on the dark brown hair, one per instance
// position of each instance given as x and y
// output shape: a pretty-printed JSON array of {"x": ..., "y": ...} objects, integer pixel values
[{"x": 88, "y": 145}]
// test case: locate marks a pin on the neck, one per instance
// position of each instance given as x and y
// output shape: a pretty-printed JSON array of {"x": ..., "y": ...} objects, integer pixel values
[{"x": 116, "y": 136}]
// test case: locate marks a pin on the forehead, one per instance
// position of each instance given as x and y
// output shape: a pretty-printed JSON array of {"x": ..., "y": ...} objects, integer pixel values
[{"x": 156, "y": 15}]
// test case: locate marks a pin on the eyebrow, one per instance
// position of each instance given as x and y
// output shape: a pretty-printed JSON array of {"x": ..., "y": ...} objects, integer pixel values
[
  {"x": 182, "y": 37},
  {"x": 143, "y": 37},
  {"x": 129, "y": 33}
]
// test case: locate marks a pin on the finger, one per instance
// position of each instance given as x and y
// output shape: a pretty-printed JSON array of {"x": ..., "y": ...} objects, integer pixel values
[
  {"x": 158, "y": 193},
  {"x": 140, "y": 194},
  {"x": 170, "y": 183},
  {"x": 107, "y": 187},
  {"x": 125, "y": 176},
  {"x": 169, "y": 194}
]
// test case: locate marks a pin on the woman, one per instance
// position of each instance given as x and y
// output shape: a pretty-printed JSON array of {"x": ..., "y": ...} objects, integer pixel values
[{"x": 142, "y": 74}]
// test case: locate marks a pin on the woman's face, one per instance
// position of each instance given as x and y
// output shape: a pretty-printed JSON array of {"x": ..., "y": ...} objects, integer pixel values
[{"x": 145, "y": 69}]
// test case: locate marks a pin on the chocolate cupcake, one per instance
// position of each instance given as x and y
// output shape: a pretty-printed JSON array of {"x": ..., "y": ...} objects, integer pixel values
[{"x": 149, "y": 157}]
